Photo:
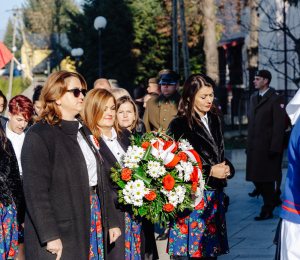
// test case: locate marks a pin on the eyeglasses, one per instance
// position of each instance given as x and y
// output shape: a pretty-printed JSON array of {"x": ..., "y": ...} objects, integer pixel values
[{"x": 77, "y": 92}]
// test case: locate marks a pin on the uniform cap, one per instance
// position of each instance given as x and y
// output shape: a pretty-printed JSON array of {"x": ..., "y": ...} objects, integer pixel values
[
  {"x": 168, "y": 77},
  {"x": 264, "y": 73},
  {"x": 154, "y": 80}
]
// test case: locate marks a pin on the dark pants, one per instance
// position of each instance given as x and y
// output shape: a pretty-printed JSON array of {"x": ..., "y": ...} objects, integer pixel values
[{"x": 266, "y": 189}]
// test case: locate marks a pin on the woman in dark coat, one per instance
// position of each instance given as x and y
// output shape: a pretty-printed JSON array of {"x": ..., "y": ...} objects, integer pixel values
[
  {"x": 12, "y": 204},
  {"x": 197, "y": 121},
  {"x": 137, "y": 240},
  {"x": 69, "y": 208},
  {"x": 128, "y": 116}
]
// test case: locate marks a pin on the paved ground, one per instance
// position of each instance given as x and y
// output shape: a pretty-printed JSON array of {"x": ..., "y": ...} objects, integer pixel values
[{"x": 248, "y": 239}]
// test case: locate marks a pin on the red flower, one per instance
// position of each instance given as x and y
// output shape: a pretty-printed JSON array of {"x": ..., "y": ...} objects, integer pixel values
[
  {"x": 145, "y": 145},
  {"x": 212, "y": 228},
  {"x": 200, "y": 225},
  {"x": 171, "y": 240},
  {"x": 194, "y": 225},
  {"x": 125, "y": 176},
  {"x": 127, "y": 245},
  {"x": 181, "y": 221},
  {"x": 197, "y": 254},
  {"x": 194, "y": 187},
  {"x": 168, "y": 182},
  {"x": 182, "y": 249},
  {"x": 215, "y": 205},
  {"x": 196, "y": 243},
  {"x": 168, "y": 207},
  {"x": 194, "y": 175},
  {"x": 184, "y": 229},
  {"x": 182, "y": 156},
  {"x": 11, "y": 252},
  {"x": 200, "y": 205},
  {"x": 150, "y": 196}
]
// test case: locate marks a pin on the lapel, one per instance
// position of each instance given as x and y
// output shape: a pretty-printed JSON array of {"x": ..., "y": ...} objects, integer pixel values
[
  {"x": 266, "y": 96},
  {"x": 106, "y": 152},
  {"x": 255, "y": 99}
]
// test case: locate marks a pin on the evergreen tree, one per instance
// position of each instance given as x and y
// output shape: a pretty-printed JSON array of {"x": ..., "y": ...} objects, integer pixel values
[
  {"x": 117, "y": 59},
  {"x": 8, "y": 36}
]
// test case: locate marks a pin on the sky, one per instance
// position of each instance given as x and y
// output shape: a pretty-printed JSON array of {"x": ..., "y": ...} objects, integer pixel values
[{"x": 5, "y": 14}]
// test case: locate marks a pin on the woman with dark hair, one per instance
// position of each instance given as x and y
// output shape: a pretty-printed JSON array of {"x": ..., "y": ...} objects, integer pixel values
[
  {"x": 99, "y": 114},
  {"x": 12, "y": 204},
  {"x": 70, "y": 212},
  {"x": 128, "y": 115},
  {"x": 3, "y": 106},
  {"x": 202, "y": 233}
]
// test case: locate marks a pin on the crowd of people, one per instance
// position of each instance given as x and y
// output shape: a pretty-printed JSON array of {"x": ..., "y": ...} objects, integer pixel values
[{"x": 57, "y": 198}]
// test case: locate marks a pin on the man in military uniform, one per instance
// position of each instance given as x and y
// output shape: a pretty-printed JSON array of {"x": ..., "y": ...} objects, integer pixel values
[
  {"x": 153, "y": 86},
  {"x": 265, "y": 139},
  {"x": 162, "y": 109}
]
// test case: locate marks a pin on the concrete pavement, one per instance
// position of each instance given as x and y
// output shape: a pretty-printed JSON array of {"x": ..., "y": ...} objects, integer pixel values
[{"x": 248, "y": 239}]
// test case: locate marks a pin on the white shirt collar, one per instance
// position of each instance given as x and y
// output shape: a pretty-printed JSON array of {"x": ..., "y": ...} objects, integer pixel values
[
  {"x": 114, "y": 136},
  {"x": 12, "y": 134},
  {"x": 204, "y": 117},
  {"x": 262, "y": 94}
]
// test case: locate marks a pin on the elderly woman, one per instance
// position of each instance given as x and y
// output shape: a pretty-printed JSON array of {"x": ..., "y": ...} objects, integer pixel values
[
  {"x": 70, "y": 212},
  {"x": 137, "y": 240},
  {"x": 202, "y": 233},
  {"x": 128, "y": 115}
]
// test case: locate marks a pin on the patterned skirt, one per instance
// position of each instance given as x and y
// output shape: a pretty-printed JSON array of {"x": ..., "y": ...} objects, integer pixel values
[
  {"x": 8, "y": 232},
  {"x": 96, "y": 236},
  {"x": 132, "y": 238},
  {"x": 201, "y": 233}
]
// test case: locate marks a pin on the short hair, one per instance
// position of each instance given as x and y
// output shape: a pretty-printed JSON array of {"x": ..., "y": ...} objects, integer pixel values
[
  {"x": 125, "y": 99},
  {"x": 21, "y": 104},
  {"x": 119, "y": 92},
  {"x": 138, "y": 92},
  {"x": 5, "y": 101},
  {"x": 55, "y": 87},
  {"x": 37, "y": 93},
  {"x": 102, "y": 82},
  {"x": 93, "y": 110}
]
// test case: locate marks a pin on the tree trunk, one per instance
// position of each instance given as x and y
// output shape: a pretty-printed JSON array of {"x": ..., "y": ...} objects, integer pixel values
[{"x": 210, "y": 40}]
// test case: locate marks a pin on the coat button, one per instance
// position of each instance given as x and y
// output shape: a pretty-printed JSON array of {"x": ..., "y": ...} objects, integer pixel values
[
  {"x": 164, "y": 119},
  {"x": 165, "y": 110}
]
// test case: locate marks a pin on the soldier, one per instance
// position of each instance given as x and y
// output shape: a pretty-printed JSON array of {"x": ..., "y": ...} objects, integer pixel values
[
  {"x": 153, "y": 86},
  {"x": 162, "y": 109},
  {"x": 265, "y": 139}
]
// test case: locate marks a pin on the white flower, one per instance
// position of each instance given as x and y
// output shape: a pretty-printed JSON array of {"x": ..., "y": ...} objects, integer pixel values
[
  {"x": 164, "y": 191},
  {"x": 161, "y": 171},
  {"x": 128, "y": 199},
  {"x": 129, "y": 186},
  {"x": 150, "y": 165},
  {"x": 138, "y": 194},
  {"x": 126, "y": 192},
  {"x": 185, "y": 168},
  {"x": 184, "y": 145},
  {"x": 146, "y": 191},
  {"x": 172, "y": 196},
  {"x": 180, "y": 192},
  {"x": 153, "y": 173},
  {"x": 138, "y": 202},
  {"x": 138, "y": 185},
  {"x": 174, "y": 203}
]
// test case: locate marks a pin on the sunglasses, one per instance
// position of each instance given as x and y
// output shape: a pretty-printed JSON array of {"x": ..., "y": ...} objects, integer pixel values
[{"x": 77, "y": 92}]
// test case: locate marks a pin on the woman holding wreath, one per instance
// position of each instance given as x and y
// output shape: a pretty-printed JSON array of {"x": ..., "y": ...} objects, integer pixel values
[
  {"x": 99, "y": 114},
  {"x": 202, "y": 233},
  {"x": 70, "y": 212}
]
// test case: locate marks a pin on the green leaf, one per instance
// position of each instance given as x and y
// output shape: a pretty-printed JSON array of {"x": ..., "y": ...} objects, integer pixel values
[
  {"x": 121, "y": 184},
  {"x": 147, "y": 153},
  {"x": 143, "y": 211},
  {"x": 146, "y": 180}
]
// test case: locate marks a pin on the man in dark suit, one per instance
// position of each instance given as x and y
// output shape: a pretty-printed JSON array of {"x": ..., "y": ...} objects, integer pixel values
[{"x": 265, "y": 139}]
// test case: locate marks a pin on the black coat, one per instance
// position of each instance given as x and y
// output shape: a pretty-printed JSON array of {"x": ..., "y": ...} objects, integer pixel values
[
  {"x": 56, "y": 188},
  {"x": 265, "y": 134},
  {"x": 116, "y": 251},
  {"x": 10, "y": 182},
  {"x": 210, "y": 150}
]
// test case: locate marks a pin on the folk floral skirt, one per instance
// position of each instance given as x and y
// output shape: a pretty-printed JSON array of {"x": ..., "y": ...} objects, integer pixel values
[
  {"x": 96, "y": 236},
  {"x": 8, "y": 232},
  {"x": 201, "y": 233},
  {"x": 132, "y": 238}
]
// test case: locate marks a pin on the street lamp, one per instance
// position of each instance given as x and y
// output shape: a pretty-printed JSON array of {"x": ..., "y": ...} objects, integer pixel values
[
  {"x": 99, "y": 24},
  {"x": 77, "y": 53}
]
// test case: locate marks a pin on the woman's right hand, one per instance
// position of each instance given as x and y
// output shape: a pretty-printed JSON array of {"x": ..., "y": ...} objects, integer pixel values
[
  {"x": 55, "y": 247},
  {"x": 220, "y": 171}
]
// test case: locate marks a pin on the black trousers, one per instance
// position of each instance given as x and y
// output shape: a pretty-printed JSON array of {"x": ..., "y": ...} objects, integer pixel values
[{"x": 266, "y": 189}]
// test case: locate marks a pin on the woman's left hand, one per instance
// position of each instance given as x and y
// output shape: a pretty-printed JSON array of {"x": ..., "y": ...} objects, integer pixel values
[{"x": 114, "y": 233}]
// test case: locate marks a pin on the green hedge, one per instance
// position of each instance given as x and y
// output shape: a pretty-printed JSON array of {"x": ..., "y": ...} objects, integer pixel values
[{"x": 16, "y": 87}]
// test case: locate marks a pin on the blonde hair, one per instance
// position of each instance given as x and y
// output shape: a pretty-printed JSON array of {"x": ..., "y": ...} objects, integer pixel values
[
  {"x": 125, "y": 99},
  {"x": 119, "y": 92},
  {"x": 93, "y": 110},
  {"x": 55, "y": 87}
]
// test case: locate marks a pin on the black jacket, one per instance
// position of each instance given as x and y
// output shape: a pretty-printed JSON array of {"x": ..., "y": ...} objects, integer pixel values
[
  {"x": 210, "y": 150},
  {"x": 117, "y": 249},
  {"x": 56, "y": 188},
  {"x": 10, "y": 182}
]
